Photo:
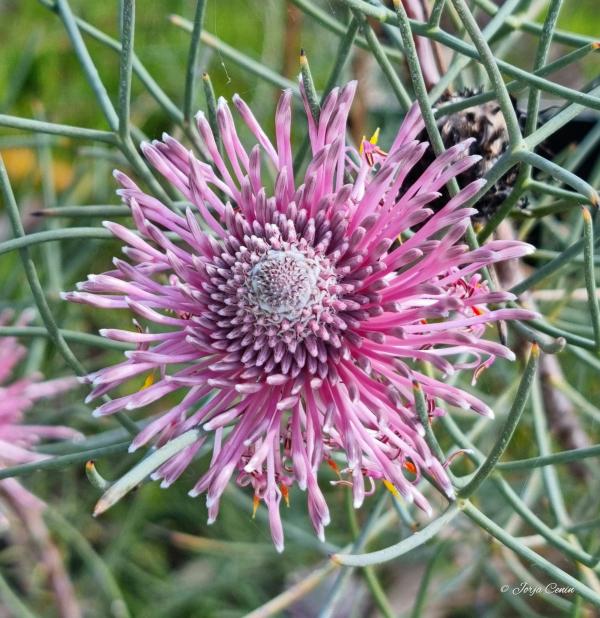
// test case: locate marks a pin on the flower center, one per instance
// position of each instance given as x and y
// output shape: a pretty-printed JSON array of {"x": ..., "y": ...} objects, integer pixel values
[{"x": 283, "y": 282}]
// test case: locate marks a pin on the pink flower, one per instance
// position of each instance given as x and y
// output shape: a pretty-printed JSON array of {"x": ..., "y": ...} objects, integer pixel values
[
  {"x": 291, "y": 317},
  {"x": 18, "y": 505}
]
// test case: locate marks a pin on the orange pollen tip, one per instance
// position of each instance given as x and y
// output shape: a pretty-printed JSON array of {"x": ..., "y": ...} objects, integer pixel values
[
  {"x": 285, "y": 493},
  {"x": 596, "y": 45},
  {"x": 255, "y": 503},
  {"x": 90, "y": 465},
  {"x": 390, "y": 487},
  {"x": 410, "y": 466},
  {"x": 333, "y": 466},
  {"x": 477, "y": 310}
]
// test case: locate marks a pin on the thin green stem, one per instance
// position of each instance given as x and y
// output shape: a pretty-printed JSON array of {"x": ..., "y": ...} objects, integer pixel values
[
  {"x": 436, "y": 13},
  {"x": 421, "y": 29},
  {"x": 394, "y": 551},
  {"x": 549, "y": 476},
  {"x": 488, "y": 60},
  {"x": 342, "y": 579},
  {"x": 512, "y": 420},
  {"x": 104, "y": 211},
  {"x": 333, "y": 25},
  {"x": 590, "y": 275},
  {"x": 37, "y": 291},
  {"x": 40, "y": 126},
  {"x": 418, "y": 80},
  {"x": 309, "y": 87},
  {"x": 143, "y": 469},
  {"x": 561, "y": 260},
  {"x": 73, "y": 336},
  {"x": 529, "y": 555},
  {"x": 62, "y": 461},
  {"x": 192, "y": 62},
  {"x": 559, "y": 173},
  {"x": 517, "y": 23},
  {"x": 87, "y": 64},
  {"x": 36, "y": 238},
  {"x": 138, "y": 68},
  {"x": 506, "y": 208},
  {"x": 102, "y": 574},
  {"x": 548, "y": 460},
  {"x": 125, "y": 68},
  {"x": 517, "y": 85},
  {"x": 230, "y": 53},
  {"x": 383, "y": 61},
  {"x": 557, "y": 121},
  {"x": 421, "y": 408},
  {"x": 211, "y": 107},
  {"x": 422, "y": 594},
  {"x": 533, "y": 103},
  {"x": 368, "y": 573}
]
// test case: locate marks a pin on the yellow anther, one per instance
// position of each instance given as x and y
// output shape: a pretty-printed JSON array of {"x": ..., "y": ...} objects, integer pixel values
[
  {"x": 149, "y": 381},
  {"x": 390, "y": 487},
  {"x": 375, "y": 137},
  {"x": 255, "y": 503},
  {"x": 361, "y": 148}
]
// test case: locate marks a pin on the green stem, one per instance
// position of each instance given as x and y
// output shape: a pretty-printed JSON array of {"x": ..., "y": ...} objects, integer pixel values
[
  {"x": 342, "y": 578},
  {"x": 191, "y": 70},
  {"x": 39, "y": 126},
  {"x": 529, "y": 555},
  {"x": 143, "y": 469},
  {"x": 383, "y": 61},
  {"x": 590, "y": 275},
  {"x": 38, "y": 292},
  {"x": 562, "y": 259},
  {"x": 211, "y": 107},
  {"x": 69, "y": 335},
  {"x": 559, "y": 173},
  {"x": 368, "y": 573},
  {"x": 309, "y": 87},
  {"x": 486, "y": 57},
  {"x": 421, "y": 29},
  {"x": 436, "y": 13},
  {"x": 117, "y": 606},
  {"x": 533, "y": 103},
  {"x": 421, "y": 408},
  {"x": 510, "y": 425},
  {"x": 29, "y": 240},
  {"x": 548, "y": 460},
  {"x": 125, "y": 68},
  {"x": 104, "y": 211},
  {"x": 87, "y": 64},
  {"x": 394, "y": 551},
  {"x": 232, "y": 54},
  {"x": 422, "y": 594},
  {"x": 62, "y": 461}
]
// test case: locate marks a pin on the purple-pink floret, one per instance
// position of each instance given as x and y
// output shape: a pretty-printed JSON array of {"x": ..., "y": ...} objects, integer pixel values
[{"x": 291, "y": 318}]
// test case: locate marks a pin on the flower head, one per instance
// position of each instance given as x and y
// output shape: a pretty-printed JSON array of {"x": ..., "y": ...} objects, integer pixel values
[{"x": 293, "y": 319}]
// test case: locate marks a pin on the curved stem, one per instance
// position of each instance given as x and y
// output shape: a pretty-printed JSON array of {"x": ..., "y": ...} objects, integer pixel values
[{"x": 510, "y": 425}]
